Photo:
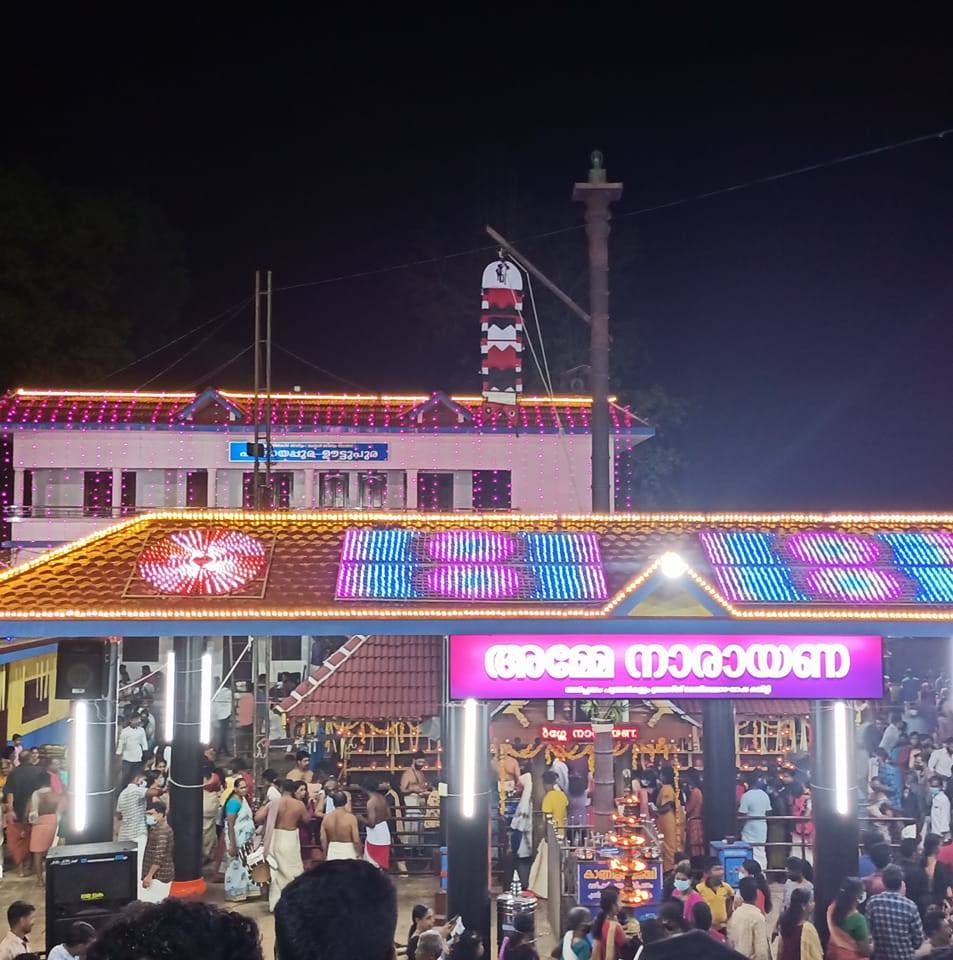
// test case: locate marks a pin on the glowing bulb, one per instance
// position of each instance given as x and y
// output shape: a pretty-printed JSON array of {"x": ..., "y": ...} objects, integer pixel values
[{"x": 672, "y": 565}]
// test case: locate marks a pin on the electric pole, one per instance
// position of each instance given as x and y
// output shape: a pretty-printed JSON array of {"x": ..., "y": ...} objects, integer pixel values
[
  {"x": 258, "y": 447},
  {"x": 597, "y": 194}
]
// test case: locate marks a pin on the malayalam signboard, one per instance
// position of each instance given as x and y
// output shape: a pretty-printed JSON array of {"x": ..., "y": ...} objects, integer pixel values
[
  {"x": 593, "y": 876},
  {"x": 556, "y": 666},
  {"x": 306, "y": 452}
]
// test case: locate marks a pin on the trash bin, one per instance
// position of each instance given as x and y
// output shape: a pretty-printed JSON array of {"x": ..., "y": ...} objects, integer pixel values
[
  {"x": 511, "y": 905},
  {"x": 731, "y": 856}
]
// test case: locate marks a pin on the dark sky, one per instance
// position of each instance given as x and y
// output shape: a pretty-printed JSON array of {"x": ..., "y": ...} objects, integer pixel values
[{"x": 807, "y": 322}]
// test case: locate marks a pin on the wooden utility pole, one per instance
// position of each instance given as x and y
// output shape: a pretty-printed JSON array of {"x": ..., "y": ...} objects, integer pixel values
[{"x": 597, "y": 194}]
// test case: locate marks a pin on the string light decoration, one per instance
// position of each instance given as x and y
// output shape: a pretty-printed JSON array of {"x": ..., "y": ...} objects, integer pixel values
[
  {"x": 838, "y": 566},
  {"x": 630, "y": 835},
  {"x": 469, "y": 565},
  {"x": 205, "y": 561}
]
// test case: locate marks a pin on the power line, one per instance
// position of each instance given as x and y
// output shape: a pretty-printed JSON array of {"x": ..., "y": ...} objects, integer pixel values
[
  {"x": 668, "y": 204},
  {"x": 315, "y": 366},
  {"x": 175, "y": 340},
  {"x": 207, "y": 378},
  {"x": 197, "y": 344}
]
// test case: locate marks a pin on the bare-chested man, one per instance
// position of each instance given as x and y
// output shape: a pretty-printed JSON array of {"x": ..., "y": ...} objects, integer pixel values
[
  {"x": 377, "y": 838},
  {"x": 340, "y": 839},
  {"x": 282, "y": 841},
  {"x": 302, "y": 768},
  {"x": 414, "y": 788}
]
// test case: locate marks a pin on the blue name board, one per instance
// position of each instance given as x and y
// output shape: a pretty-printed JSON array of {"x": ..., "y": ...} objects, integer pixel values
[
  {"x": 312, "y": 452},
  {"x": 595, "y": 875}
]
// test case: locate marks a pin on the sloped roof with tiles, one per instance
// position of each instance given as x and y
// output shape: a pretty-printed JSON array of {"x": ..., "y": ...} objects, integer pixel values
[
  {"x": 226, "y": 410},
  {"x": 428, "y": 569},
  {"x": 371, "y": 677}
]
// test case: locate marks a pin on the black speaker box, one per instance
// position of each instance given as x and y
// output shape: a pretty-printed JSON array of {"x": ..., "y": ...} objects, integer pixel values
[
  {"x": 91, "y": 882},
  {"x": 81, "y": 669}
]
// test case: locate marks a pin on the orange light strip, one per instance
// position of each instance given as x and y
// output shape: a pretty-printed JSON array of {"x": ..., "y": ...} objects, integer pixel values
[{"x": 491, "y": 521}]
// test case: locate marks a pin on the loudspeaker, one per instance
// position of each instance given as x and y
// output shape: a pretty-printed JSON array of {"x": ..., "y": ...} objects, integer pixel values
[
  {"x": 81, "y": 669},
  {"x": 91, "y": 882}
]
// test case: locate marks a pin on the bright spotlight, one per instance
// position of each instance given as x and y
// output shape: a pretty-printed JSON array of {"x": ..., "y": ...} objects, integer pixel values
[{"x": 672, "y": 565}]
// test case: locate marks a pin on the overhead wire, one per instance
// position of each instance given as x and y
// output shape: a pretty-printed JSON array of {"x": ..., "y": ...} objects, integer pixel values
[
  {"x": 207, "y": 377},
  {"x": 320, "y": 369},
  {"x": 222, "y": 323},
  {"x": 175, "y": 340}
]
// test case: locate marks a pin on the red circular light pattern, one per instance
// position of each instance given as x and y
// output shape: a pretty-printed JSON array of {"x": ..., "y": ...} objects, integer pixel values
[{"x": 204, "y": 561}]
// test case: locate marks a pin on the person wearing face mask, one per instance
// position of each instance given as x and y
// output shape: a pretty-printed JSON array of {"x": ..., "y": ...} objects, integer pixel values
[
  {"x": 158, "y": 868},
  {"x": 680, "y": 888},
  {"x": 939, "y": 819}
]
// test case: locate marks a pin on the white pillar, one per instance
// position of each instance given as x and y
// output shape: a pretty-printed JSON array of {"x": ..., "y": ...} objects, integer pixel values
[
  {"x": 18, "y": 488},
  {"x": 411, "y": 498},
  {"x": 212, "y": 479},
  {"x": 309, "y": 476},
  {"x": 117, "y": 488}
]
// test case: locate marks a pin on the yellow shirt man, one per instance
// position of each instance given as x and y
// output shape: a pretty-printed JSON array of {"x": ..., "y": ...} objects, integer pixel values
[
  {"x": 556, "y": 804},
  {"x": 718, "y": 899}
]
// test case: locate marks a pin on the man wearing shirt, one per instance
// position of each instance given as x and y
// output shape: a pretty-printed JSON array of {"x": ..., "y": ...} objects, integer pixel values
[
  {"x": 16, "y": 943},
  {"x": 17, "y": 791},
  {"x": 894, "y": 920},
  {"x": 756, "y": 805},
  {"x": 221, "y": 713},
  {"x": 158, "y": 866},
  {"x": 941, "y": 760},
  {"x": 716, "y": 893},
  {"x": 747, "y": 930},
  {"x": 79, "y": 939},
  {"x": 892, "y": 734},
  {"x": 555, "y": 802},
  {"x": 939, "y": 809},
  {"x": 132, "y": 746},
  {"x": 131, "y": 810}
]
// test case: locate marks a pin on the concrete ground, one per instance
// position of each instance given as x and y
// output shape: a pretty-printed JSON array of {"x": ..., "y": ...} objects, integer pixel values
[{"x": 410, "y": 891}]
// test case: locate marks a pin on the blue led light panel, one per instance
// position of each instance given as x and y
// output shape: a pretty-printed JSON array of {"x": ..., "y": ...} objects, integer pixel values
[{"x": 469, "y": 566}]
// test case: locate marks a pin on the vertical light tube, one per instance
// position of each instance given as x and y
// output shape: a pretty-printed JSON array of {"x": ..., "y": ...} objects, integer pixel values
[
  {"x": 468, "y": 778},
  {"x": 169, "y": 696},
  {"x": 205, "y": 708},
  {"x": 841, "y": 785},
  {"x": 79, "y": 775}
]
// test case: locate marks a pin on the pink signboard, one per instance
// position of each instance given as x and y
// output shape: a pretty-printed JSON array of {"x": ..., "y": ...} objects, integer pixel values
[{"x": 496, "y": 667}]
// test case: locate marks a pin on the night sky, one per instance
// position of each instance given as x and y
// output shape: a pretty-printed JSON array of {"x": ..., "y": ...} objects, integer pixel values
[{"x": 807, "y": 322}]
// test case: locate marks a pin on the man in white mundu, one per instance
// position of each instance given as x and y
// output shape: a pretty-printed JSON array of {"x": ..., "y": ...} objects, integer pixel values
[{"x": 415, "y": 790}]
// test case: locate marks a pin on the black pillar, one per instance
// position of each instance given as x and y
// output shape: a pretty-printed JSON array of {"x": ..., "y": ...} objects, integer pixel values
[
  {"x": 718, "y": 751},
  {"x": 468, "y": 838},
  {"x": 100, "y": 755},
  {"x": 185, "y": 774},
  {"x": 835, "y": 831}
]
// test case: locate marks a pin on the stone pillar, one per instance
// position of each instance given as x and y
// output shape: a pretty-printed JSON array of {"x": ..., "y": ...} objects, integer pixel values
[
  {"x": 309, "y": 483},
  {"x": 185, "y": 774},
  {"x": 410, "y": 501},
  {"x": 718, "y": 750},
  {"x": 468, "y": 838},
  {"x": 835, "y": 831}
]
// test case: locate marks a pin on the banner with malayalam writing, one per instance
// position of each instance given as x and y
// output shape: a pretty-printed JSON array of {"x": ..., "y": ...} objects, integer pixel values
[
  {"x": 306, "y": 452},
  {"x": 662, "y": 666}
]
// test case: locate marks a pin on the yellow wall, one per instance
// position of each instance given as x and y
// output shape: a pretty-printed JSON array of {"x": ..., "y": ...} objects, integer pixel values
[{"x": 18, "y": 673}]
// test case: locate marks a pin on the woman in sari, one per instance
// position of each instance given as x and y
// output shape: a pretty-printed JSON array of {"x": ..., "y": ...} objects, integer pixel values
[
  {"x": 666, "y": 817},
  {"x": 239, "y": 829},
  {"x": 694, "y": 808},
  {"x": 849, "y": 935}
]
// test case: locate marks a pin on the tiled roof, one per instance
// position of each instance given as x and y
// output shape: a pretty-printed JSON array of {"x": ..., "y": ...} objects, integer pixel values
[
  {"x": 299, "y": 412},
  {"x": 370, "y": 678},
  {"x": 747, "y": 709},
  {"x": 295, "y": 563}
]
